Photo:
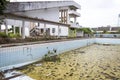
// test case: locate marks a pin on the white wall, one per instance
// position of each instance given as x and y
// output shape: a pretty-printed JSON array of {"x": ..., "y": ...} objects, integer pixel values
[
  {"x": 80, "y": 34},
  {"x": 18, "y": 23},
  {"x": 56, "y": 30},
  {"x": 14, "y": 22},
  {"x": 63, "y": 29},
  {"x": 51, "y": 14},
  {"x": 27, "y": 28},
  {"x": 47, "y": 14}
]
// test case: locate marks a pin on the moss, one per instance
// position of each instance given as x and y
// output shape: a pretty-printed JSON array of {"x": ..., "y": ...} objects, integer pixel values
[
  {"x": 3, "y": 35},
  {"x": 11, "y": 35},
  {"x": 72, "y": 32},
  {"x": 51, "y": 56}
]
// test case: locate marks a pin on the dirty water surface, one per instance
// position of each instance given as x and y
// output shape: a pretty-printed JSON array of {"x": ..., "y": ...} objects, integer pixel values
[{"x": 95, "y": 62}]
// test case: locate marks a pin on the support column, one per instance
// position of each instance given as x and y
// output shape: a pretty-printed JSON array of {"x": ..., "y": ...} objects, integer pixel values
[
  {"x": 20, "y": 31},
  {"x": 28, "y": 34},
  {"x": 58, "y": 31},
  {"x": 74, "y": 19},
  {"x": 68, "y": 17},
  {"x": 23, "y": 29},
  {"x": 14, "y": 31},
  {"x": 6, "y": 27},
  {"x": 62, "y": 16},
  {"x": 44, "y": 33},
  {"x": 64, "y": 11},
  {"x": 0, "y": 27}
]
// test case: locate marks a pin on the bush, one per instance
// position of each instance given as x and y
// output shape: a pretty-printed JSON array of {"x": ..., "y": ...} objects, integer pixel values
[
  {"x": 85, "y": 30},
  {"x": 51, "y": 56},
  {"x": 11, "y": 35},
  {"x": 3, "y": 35}
]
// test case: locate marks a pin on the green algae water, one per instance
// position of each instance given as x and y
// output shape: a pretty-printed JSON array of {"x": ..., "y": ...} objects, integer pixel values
[{"x": 95, "y": 62}]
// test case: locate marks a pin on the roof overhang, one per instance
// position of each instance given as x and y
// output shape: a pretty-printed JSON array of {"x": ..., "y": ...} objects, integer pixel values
[
  {"x": 26, "y": 18},
  {"x": 26, "y": 6}
]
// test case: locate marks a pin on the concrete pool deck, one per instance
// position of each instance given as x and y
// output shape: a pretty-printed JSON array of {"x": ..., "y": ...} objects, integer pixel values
[
  {"x": 95, "y": 62},
  {"x": 38, "y": 42}
]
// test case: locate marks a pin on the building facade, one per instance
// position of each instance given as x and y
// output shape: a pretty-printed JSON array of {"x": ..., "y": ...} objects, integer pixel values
[
  {"x": 106, "y": 29},
  {"x": 52, "y": 18},
  {"x": 107, "y": 32}
]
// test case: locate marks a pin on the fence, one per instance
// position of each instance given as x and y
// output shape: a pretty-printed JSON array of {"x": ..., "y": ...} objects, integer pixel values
[{"x": 107, "y": 35}]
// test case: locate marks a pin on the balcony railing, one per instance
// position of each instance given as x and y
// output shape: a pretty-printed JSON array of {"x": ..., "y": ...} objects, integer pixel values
[
  {"x": 74, "y": 25},
  {"x": 72, "y": 12}
]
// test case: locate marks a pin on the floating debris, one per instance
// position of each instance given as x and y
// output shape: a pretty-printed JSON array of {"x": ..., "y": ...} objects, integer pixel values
[
  {"x": 38, "y": 65},
  {"x": 82, "y": 52},
  {"x": 106, "y": 44}
]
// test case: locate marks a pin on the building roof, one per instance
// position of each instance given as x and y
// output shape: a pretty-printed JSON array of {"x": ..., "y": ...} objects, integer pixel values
[
  {"x": 94, "y": 29},
  {"x": 24, "y": 6},
  {"x": 106, "y": 28},
  {"x": 115, "y": 28},
  {"x": 103, "y": 28},
  {"x": 26, "y": 18}
]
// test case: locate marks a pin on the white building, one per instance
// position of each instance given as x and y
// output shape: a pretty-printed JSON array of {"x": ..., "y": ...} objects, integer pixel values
[{"x": 53, "y": 18}]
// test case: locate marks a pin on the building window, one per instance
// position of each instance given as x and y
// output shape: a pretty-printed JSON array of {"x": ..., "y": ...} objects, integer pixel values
[
  {"x": 38, "y": 24},
  {"x": 42, "y": 30},
  {"x": 53, "y": 30},
  {"x": 63, "y": 14}
]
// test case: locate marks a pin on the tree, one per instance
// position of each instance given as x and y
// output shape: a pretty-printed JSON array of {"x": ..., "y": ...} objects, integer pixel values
[
  {"x": 104, "y": 31},
  {"x": 85, "y": 30},
  {"x": 3, "y": 4},
  {"x": 119, "y": 31}
]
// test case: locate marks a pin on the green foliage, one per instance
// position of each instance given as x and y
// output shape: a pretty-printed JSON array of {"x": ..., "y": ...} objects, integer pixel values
[
  {"x": 3, "y": 4},
  {"x": 51, "y": 56},
  {"x": 72, "y": 32},
  {"x": 17, "y": 29},
  {"x": 3, "y": 35},
  {"x": 1, "y": 21},
  {"x": 104, "y": 31},
  {"x": 118, "y": 31},
  {"x": 85, "y": 30},
  {"x": 11, "y": 35}
]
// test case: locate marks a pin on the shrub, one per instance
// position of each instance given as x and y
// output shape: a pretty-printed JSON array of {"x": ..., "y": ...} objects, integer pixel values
[
  {"x": 51, "y": 56},
  {"x": 3, "y": 35},
  {"x": 11, "y": 35}
]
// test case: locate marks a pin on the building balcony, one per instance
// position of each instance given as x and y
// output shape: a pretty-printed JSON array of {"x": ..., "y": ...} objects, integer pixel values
[
  {"x": 74, "y": 25},
  {"x": 74, "y": 13}
]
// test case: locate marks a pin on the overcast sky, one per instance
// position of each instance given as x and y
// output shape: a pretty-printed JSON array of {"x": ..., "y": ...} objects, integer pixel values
[{"x": 96, "y": 13}]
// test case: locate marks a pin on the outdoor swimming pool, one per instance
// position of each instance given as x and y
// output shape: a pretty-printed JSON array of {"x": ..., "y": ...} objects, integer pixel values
[
  {"x": 11, "y": 57},
  {"x": 94, "y": 62}
]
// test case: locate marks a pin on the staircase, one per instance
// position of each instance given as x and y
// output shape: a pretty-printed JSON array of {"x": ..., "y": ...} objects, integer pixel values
[{"x": 35, "y": 32}]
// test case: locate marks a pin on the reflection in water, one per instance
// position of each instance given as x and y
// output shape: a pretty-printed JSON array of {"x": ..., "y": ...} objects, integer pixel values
[{"x": 95, "y": 62}]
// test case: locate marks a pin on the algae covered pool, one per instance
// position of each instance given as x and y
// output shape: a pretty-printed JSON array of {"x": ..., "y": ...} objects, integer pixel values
[{"x": 95, "y": 62}]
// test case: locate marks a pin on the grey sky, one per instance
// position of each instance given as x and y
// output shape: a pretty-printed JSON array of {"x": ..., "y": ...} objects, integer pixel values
[{"x": 96, "y": 13}]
